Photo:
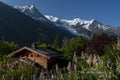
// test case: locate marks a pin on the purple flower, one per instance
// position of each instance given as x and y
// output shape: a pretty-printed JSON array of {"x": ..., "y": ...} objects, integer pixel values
[
  {"x": 54, "y": 77},
  {"x": 57, "y": 69},
  {"x": 69, "y": 67},
  {"x": 12, "y": 78},
  {"x": 22, "y": 77},
  {"x": 3, "y": 77},
  {"x": 75, "y": 58},
  {"x": 34, "y": 77},
  {"x": 41, "y": 76}
]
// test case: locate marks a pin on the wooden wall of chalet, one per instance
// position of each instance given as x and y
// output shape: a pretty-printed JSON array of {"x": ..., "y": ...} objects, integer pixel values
[
  {"x": 39, "y": 59},
  {"x": 22, "y": 53},
  {"x": 43, "y": 61},
  {"x": 33, "y": 56}
]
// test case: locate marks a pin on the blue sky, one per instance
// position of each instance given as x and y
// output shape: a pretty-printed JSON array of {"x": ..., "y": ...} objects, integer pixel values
[{"x": 105, "y": 11}]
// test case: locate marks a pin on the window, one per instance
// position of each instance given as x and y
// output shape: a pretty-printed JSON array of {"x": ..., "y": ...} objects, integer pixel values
[
  {"x": 37, "y": 55},
  {"x": 31, "y": 55}
]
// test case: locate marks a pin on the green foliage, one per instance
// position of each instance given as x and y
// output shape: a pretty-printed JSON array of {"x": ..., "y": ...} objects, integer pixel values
[
  {"x": 40, "y": 44},
  {"x": 56, "y": 43},
  {"x": 73, "y": 45},
  {"x": 83, "y": 64},
  {"x": 112, "y": 56},
  {"x": 7, "y": 47},
  {"x": 12, "y": 68},
  {"x": 43, "y": 45}
]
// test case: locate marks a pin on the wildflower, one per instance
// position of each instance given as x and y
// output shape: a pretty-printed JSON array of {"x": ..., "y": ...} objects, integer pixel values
[
  {"x": 54, "y": 77},
  {"x": 75, "y": 67},
  {"x": 57, "y": 69},
  {"x": 75, "y": 58},
  {"x": 12, "y": 78},
  {"x": 34, "y": 77},
  {"x": 109, "y": 75},
  {"x": 95, "y": 61},
  {"x": 3, "y": 77},
  {"x": 82, "y": 56},
  {"x": 69, "y": 67},
  {"x": 89, "y": 61},
  {"x": 61, "y": 75},
  {"x": 22, "y": 77},
  {"x": 41, "y": 76},
  {"x": 8, "y": 65}
]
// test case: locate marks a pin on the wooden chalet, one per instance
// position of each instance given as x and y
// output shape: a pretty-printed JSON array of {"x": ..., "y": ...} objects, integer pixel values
[{"x": 44, "y": 57}]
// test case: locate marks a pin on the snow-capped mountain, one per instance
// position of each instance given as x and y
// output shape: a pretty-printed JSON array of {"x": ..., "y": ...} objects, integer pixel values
[
  {"x": 79, "y": 22},
  {"x": 76, "y": 26},
  {"x": 86, "y": 27},
  {"x": 32, "y": 11},
  {"x": 82, "y": 26},
  {"x": 59, "y": 23},
  {"x": 22, "y": 29}
]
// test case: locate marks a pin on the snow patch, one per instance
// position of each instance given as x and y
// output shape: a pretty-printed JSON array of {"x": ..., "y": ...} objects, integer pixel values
[{"x": 51, "y": 18}]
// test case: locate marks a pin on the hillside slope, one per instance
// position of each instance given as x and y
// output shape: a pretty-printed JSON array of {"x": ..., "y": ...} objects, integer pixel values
[{"x": 15, "y": 26}]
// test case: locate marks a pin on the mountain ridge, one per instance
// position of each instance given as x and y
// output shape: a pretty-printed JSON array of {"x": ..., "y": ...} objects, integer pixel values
[
  {"x": 18, "y": 27},
  {"x": 79, "y": 26},
  {"x": 93, "y": 25}
]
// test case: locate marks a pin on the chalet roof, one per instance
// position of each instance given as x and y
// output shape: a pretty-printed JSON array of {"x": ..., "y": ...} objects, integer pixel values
[{"x": 41, "y": 51}]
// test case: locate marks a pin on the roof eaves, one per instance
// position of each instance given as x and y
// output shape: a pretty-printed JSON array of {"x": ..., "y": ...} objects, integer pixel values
[
  {"x": 32, "y": 50},
  {"x": 11, "y": 54}
]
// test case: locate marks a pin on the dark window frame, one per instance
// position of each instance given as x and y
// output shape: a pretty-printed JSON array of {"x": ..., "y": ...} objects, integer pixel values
[
  {"x": 31, "y": 55},
  {"x": 38, "y": 55}
]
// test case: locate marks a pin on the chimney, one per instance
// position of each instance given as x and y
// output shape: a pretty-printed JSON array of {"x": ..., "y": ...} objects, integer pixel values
[{"x": 33, "y": 45}]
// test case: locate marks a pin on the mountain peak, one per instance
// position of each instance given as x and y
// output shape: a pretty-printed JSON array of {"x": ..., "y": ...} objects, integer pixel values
[
  {"x": 75, "y": 25},
  {"x": 94, "y": 21},
  {"x": 26, "y": 8},
  {"x": 31, "y": 11},
  {"x": 32, "y": 6}
]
